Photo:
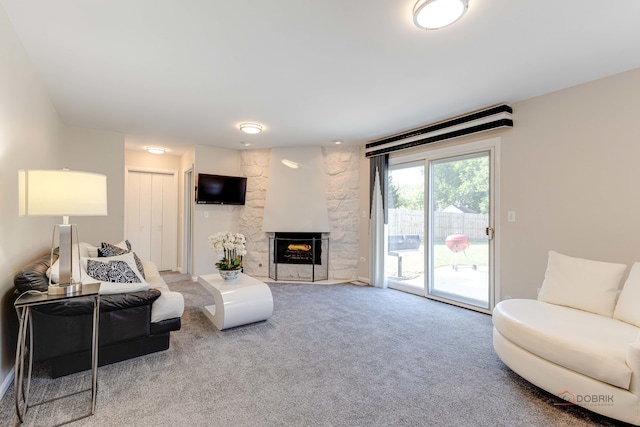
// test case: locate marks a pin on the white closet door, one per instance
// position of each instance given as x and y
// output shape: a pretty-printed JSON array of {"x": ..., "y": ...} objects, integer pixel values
[{"x": 151, "y": 217}]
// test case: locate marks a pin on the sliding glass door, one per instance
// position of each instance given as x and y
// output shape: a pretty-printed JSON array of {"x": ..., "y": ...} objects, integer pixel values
[
  {"x": 440, "y": 234},
  {"x": 459, "y": 222}
]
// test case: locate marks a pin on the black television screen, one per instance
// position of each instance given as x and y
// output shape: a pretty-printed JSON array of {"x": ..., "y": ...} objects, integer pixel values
[{"x": 220, "y": 189}]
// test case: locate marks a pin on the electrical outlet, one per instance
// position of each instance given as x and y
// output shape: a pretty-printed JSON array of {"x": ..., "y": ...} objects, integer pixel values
[
  {"x": 511, "y": 216},
  {"x": 363, "y": 259}
]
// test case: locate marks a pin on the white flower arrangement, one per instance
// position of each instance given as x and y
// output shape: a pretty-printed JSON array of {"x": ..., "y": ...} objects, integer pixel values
[{"x": 231, "y": 247}]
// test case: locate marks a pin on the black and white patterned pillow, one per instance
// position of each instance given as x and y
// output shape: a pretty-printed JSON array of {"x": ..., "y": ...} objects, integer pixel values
[
  {"x": 111, "y": 271},
  {"x": 108, "y": 249}
]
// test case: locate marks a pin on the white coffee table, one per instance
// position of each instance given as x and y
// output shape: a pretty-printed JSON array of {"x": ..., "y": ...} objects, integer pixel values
[{"x": 245, "y": 300}]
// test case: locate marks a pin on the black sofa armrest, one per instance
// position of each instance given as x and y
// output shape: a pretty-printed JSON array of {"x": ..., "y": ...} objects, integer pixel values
[{"x": 33, "y": 277}]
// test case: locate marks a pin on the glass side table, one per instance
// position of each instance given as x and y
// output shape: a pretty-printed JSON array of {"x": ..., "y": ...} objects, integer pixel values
[{"x": 23, "y": 306}]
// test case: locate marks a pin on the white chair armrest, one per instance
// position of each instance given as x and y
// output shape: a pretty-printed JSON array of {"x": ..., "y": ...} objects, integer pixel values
[{"x": 633, "y": 361}]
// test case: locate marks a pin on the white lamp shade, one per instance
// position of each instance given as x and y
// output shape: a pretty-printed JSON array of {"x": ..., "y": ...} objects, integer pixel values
[{"x": 62, "y": 193}]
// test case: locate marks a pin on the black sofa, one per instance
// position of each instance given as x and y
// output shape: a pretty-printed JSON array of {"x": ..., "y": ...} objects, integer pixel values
[{"x": 62, "y": 331}]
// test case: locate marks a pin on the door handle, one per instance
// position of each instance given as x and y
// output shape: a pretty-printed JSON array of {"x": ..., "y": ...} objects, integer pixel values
[{"x": 490, "y": 232}]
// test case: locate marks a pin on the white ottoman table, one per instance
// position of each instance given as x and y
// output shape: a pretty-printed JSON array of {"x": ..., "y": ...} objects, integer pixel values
[{"x": 245, "y": 300}]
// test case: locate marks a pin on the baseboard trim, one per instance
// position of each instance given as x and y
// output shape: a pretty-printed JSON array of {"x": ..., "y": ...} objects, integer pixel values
[
  {"x": 8, "y": 380},
  {"x": 364, "y": 280}
]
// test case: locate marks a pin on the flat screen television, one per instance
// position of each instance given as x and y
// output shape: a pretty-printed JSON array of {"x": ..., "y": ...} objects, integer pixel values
[{"x": 220, "y": 189}]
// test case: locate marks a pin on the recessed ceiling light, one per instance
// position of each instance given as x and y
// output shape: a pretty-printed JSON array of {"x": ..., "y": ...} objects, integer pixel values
[
  {"x": 434, "y": 14},
  {"x": 250, "y": 128},
  {"x": 337, "y": 141},
  {"x": 245, "y": 143},
  {"x": 156, "y": 150}
]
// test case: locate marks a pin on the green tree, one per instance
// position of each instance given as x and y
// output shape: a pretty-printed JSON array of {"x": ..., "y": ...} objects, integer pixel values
[
  {"x": 463, "y": 183},
  {"x": 393, "y": 195},
  {"x": 406, "y": 196}
]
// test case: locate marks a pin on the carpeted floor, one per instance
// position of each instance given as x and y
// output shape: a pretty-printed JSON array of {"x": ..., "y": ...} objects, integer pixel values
[{"x": 331, "y": 355}]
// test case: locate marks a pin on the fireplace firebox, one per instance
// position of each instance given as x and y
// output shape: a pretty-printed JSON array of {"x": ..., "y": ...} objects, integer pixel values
[
  {"x": 297, "y": 248},
  {"x": 298, "y": 256}
]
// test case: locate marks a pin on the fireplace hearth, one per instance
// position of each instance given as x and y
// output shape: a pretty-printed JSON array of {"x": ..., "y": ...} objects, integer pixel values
[{"x": 298, "y": 256}]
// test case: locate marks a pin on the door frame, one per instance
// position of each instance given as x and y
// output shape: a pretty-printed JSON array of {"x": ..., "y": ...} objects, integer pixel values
[
  {"x": 187, "y": 223},
  {"x": 432, "y": 153}
]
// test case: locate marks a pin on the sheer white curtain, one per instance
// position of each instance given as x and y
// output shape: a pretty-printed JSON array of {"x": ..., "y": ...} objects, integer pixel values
[{"x": 379, "y": 172}]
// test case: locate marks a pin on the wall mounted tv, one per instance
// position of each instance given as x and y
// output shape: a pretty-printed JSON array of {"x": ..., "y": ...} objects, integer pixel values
[{"x": 221, "y": 190}]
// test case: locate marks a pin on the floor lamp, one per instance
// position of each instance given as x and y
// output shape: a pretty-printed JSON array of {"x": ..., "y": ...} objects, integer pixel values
[{"x": 63, "y": 193}]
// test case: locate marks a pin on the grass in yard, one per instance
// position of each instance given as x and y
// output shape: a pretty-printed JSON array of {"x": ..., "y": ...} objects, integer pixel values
[{"x": 413, "y": 265}]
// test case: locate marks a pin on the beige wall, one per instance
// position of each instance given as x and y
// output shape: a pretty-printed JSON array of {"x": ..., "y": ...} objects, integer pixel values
[
  {"x": 100, "y": 152},
  {"x": 148, "y": 161},
  {"x": 30, "y": 137},
  {"x": 210, "y": 219},
  {"x": 569, "y": 168},
  {"x": 570, "y": 171}
]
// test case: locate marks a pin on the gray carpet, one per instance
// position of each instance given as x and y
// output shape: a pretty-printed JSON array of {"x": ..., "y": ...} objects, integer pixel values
[{"x": 331, "y": 355}]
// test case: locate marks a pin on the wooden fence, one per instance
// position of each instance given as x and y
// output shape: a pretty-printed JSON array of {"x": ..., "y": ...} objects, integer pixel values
[{"x": 402, "y": 221}]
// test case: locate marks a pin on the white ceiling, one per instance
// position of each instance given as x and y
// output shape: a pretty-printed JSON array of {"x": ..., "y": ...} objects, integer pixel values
[{"x": 174, "y": 73}]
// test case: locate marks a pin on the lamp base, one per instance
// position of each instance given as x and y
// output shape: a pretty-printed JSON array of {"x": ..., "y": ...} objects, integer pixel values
[{"x": 64, "y": 289}]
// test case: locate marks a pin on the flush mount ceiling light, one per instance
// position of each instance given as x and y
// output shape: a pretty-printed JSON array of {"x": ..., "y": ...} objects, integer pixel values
[
  {"x": 434, "y": 14},
  {"x": 156, "y": 150},
  {"x": 250, "y": 128}
]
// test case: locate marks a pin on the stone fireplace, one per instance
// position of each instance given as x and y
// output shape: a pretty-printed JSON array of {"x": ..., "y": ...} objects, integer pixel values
[
  {"x": 341, "y": 169},
  {"x": 295, "y": 218}
]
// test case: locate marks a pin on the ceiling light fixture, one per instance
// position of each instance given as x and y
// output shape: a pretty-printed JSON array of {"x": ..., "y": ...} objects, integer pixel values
[
  {"x": 156, "y": 150},
  {"x": 337, "y": 141},
  {"x": 435, "y": 14},
  {"x": 250, "y": 128},
  {"x": 245, "y": 143}
]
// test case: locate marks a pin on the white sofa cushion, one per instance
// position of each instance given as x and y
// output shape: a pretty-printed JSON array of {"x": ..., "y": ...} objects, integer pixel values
[
  {"x": 593, "y": 345},
  {"x": 170, "y": 304},
  {"x": 628, "y": 306},
  {"x": 581, "y": 283}
]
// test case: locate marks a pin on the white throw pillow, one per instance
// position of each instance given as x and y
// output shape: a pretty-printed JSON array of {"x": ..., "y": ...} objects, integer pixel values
[
  {"x": 581, "y": 283},
  {"x": 53, "y": 272},
  {"x": 86, "y": 250},
  {"x": 628, "y": 306}
]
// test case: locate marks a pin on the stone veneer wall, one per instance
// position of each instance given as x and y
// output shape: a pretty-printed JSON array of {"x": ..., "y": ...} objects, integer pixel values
[{"x": 341, "y": 165}]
